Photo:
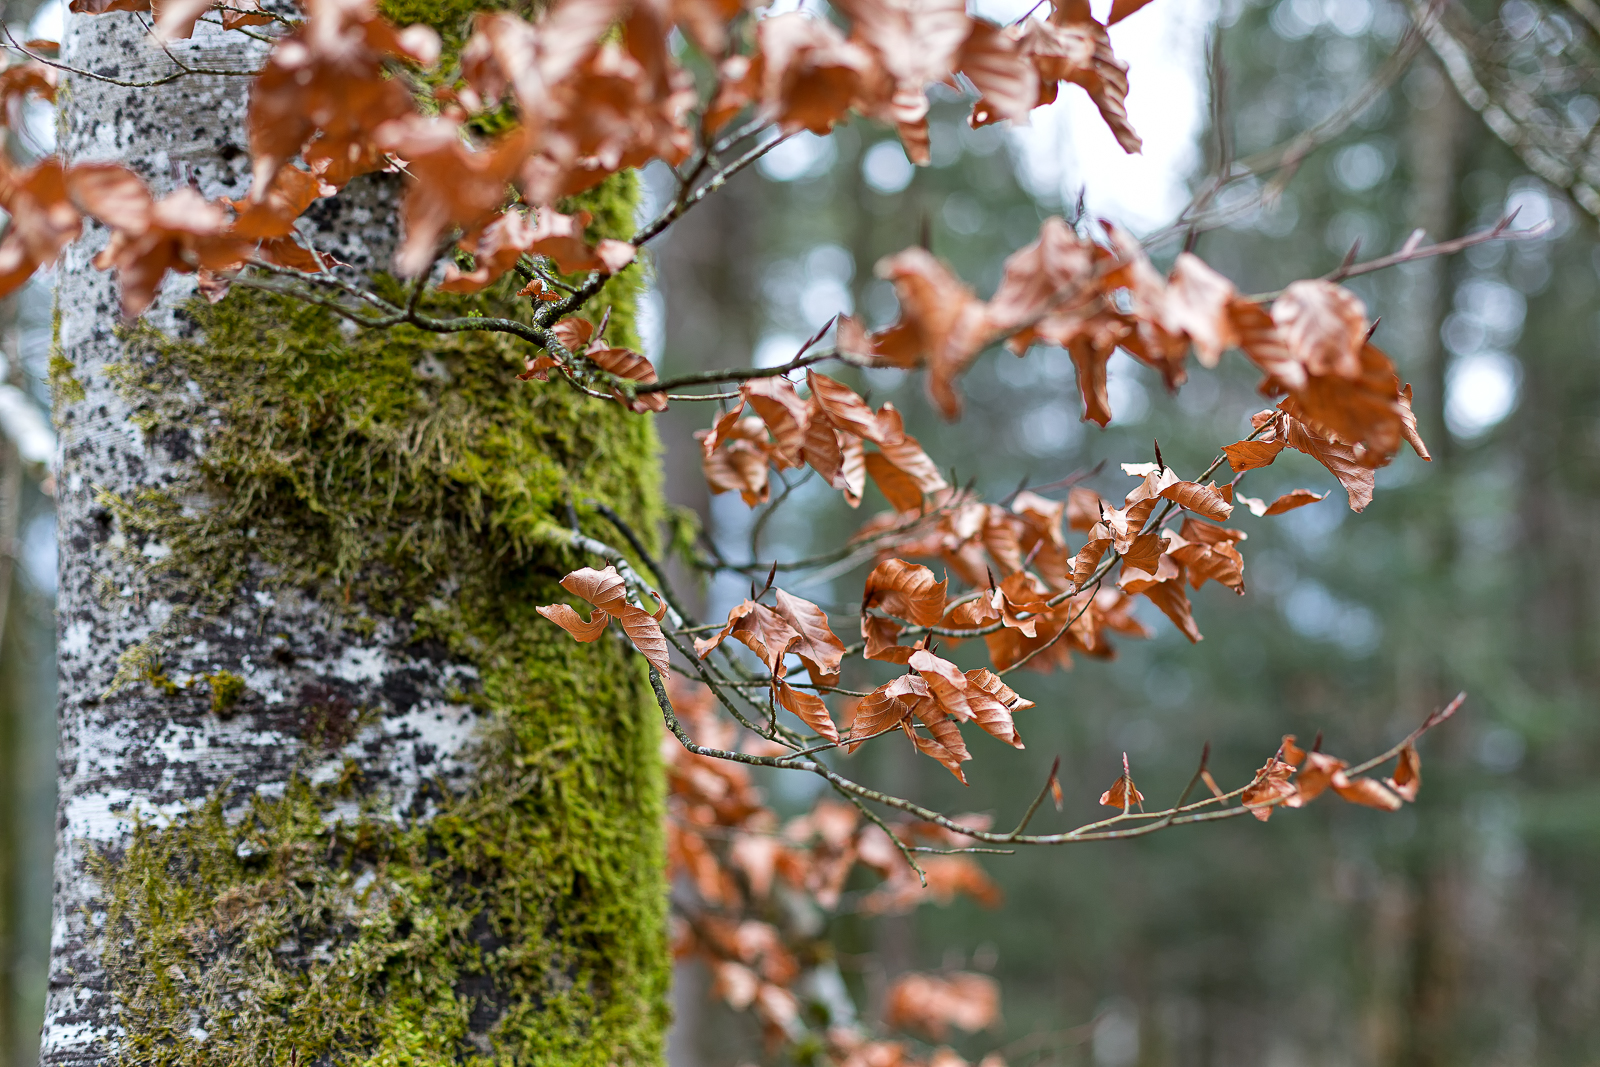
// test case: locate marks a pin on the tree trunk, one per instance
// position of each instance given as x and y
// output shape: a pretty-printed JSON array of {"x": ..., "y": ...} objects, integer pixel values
[{"x": 330, "y": 790}]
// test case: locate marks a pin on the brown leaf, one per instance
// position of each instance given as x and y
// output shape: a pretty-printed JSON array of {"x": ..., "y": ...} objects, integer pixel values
[
  {"x": 569, "y": 620},
  {"x": 43, "y": 221},
  {"x": 1270, "y": 789},
  {"x": 1089, "y": 360},
  {"x": 1123, "y": 793},
  {"x": 880, "y": 635},
  {"x": 1407, "y": 780},
  {"x": 1408, "y": 424},
  {"x": 626, "y": 363},
  {"x": 805, "y": 73},
  {"x": 781, "y": 408},
  {"x": 1315, "y": 776},
  {"x": 914, "y": 44},
  {"x": 324, "y": 91},
  {"x": 607, "y": 591},
  {"x": 1296, "y": 498},
  {"x": 1249, "y": 455},
  {"x": 1196, "y": 304},
  {"x": 762, "y": 630},
  {"x": 818, "y": 648},
  {"x": 845, "y": 408},
  {"x": 904, "y": 451},
  {"x": 933, "y": 1004},
  {"x": 1007, "y": 83},
  {"x": 996, "y": 718},
  {"x": 1200, "y": 499},
  {"x": 1323, "y": 325},
  {"x": 454, "y": 183},
  {"x": 945, "y": 323},
  {"x": 897, "y": 486},
  {"x": 882, "y": 709},
  {"x": 1104, "y": 78},
  {"x": 945, "y": 745},
  {"x": 810, "y": 709},
  {"x": 906, "y": 591},
  {"x": 1263, "y": 345},
  {"x": 1340, "y": 459},
  {"x": 1053, "y": 275},
  {"x": 1368, "y": 792}
]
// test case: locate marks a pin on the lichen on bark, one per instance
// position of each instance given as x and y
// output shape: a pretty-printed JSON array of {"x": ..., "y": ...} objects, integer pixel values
[{"x": 378, "y": 811}]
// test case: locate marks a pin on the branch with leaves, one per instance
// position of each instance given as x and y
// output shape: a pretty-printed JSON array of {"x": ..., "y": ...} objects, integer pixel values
[{"x": 595, "y": 87}]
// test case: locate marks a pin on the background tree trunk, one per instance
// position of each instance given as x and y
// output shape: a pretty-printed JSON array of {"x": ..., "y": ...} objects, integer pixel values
[{"x": 330, "y": 790}]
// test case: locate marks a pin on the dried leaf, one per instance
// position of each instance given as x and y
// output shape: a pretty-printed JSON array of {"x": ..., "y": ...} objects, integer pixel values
[
  {"x": 881, "y": 710},
  {"x": 906, "y": 591},
  {"x": 1200, "y": 499},
  {"x": 880, "y": 635},
  {"x": 1296, "y": 498},
  {"x": 1324, "y": 326},
  {"x": 818, "y": 648},
  {"x": 781, "y": 408},
  {"x": 1407, "y": 780},
  {"x": 845, "y": 408},
  {"x": 1249, "y": 455},
  {"x": 1123, "y": 793},
  {"x": 569, "y": 620},
  {"x": 945, "y": 324},
  {"x": 898, "y": 487},
  {"x": 997, "y": 723},
  {"x": 810, "y": 709}
]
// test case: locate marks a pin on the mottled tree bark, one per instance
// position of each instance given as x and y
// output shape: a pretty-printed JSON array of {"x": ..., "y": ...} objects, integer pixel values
[{"x": 329, "y": 792}]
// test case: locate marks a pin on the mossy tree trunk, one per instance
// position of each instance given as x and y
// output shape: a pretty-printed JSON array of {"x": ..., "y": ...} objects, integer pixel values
[{"x": 331, "y": 792}]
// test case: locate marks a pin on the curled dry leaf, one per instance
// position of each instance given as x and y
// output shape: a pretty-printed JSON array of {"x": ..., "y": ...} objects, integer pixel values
[
  {"x": 906, "y": 591},
  {"x": 818, "y": 647},
  {"x": 810, "y": 709},
  {"x": 1407, "y": 780},
  {"x": 941, "y": 322},
  {"x": 608, "y": 593},
  {"x": 761, "y": 630},
  {"x": 780, "y": 407},
  {"x": 1123, "y": 793}
]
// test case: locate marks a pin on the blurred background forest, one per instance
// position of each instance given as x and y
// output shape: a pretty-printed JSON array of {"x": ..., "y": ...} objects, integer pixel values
[{"x": 1464, "y": 930}]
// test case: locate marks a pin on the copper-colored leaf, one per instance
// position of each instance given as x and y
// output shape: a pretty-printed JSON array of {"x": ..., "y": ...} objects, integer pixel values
[
  {"x": 1295, "y": 498},
  {"x": 1340, "y": 459},
  {"x": 569, "y": 620},
  {"x": 781, "y": 408},
  {"x": 897, "y": 486},
  {"x": 1407, "y": 780},
  {"x": 933, "y": 1004},
  {"x": 947, "y": 324},
  {"x": 1368, "y": 792},
  {"x": 906, "y": 591},
  {"x": 1200, "y": 499},
  {"x": 845, "y": 408},
  {"x": 810, "y": 708},
  {"x": 880, "y": 635},
  {"x": 996, "y": 718},
  {"x": 818, "y": 648},
  {"x": 1324, "y": 326},
  {"x": 1249, "y": 455},
  {"x": 936, "y": 747},
  {"x": 1408, "y": 424},
  {"x": 881, "y": 710},
  {"x": 1123, "y": 793},
  {"x": 762, "y": 630},
  {"x": 1196, "y": 303}
]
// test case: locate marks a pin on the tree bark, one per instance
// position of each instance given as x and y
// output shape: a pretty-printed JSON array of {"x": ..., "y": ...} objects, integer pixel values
[{"x": 330, "y": 791}]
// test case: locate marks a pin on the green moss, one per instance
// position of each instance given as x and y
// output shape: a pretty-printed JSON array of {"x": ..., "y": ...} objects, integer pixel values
[
  {"x": 64, "y": 384},
  {"x": 404, "y": 475},
  {"x": 227, "y": 689}
]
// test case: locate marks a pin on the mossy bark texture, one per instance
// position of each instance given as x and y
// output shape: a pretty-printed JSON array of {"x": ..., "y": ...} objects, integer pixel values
[{"x": 331, "y": 791}]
